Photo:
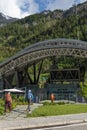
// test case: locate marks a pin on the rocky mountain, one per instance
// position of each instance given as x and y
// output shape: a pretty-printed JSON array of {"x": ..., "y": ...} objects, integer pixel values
[
  {"x": 6, "y": 19},
  {"x": 42, "y": 26},
  {"x": 80, "y": 9}
]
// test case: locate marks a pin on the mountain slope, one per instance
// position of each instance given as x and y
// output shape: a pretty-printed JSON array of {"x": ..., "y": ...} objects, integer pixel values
[
  {"x": 6, "y": 19},
  {"x": 43, "y": 26}
]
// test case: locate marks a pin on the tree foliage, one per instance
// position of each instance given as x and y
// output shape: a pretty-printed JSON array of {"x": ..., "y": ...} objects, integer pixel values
[{"x": 39, "y": 27}]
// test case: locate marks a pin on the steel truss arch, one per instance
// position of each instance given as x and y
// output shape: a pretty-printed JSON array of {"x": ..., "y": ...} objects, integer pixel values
[{"x": 41, "y": 50}]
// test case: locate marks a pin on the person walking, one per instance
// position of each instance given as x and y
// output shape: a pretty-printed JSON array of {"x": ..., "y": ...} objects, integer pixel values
[
  {"x": 52, "y": 97},
  {"x": 30, "y": 99},
  {"x": 8, "y": 102}
]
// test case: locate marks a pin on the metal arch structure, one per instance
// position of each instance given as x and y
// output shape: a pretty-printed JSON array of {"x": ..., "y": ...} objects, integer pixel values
[{"x": 41, "y": 50}]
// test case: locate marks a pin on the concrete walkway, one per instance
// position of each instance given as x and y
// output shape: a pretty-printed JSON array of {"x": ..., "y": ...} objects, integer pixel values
[
  {"x": 19, "y": 113},
  {"x": 17, "y": 119}
]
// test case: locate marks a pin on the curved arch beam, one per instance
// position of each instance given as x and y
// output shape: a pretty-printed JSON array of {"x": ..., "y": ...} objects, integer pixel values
[{"x": 41, "y": 50}]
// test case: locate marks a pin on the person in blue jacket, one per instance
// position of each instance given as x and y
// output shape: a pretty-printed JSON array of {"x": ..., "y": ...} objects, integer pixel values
[{"x": 30, "y": 99}]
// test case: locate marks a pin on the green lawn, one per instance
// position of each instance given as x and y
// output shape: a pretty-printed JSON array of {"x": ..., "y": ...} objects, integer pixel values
[{"x": 50, "y": 110}]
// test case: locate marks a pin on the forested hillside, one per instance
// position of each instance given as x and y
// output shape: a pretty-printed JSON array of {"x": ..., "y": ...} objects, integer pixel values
[{"x": 39, "y": 27}]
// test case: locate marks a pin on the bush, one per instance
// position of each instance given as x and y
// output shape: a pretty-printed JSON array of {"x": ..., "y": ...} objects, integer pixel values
[{"x": 61, "y": 103}]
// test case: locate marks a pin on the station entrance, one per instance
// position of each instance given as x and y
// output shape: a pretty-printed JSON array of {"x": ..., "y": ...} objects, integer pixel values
[
  {"x": 27, "y": 66},
  {"x": 69, "y": 92},
  {"x": 64, "y": 83}
]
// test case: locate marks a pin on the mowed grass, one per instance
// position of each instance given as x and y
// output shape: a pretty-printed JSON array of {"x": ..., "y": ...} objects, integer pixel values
[{"x": 53, "y": 110}]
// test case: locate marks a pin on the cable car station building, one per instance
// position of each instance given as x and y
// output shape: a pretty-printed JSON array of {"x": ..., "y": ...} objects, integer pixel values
[{"x": 24, "y": 69}]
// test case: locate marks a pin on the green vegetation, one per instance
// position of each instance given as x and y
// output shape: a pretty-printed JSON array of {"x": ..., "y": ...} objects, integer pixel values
[
  {"x": 83, "y": 90},
  {"x": 48, "y": 108},
  {"x": 58, "y": 109},
  {"x": 39, "y": 27},
  {"x": 15, "y": 101}
]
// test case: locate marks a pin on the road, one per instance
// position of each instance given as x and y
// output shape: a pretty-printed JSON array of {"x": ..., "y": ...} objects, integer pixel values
[{"x": 81, "y": 126}]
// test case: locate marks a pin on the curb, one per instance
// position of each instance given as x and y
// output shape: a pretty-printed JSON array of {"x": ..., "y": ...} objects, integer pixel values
[{"x": 38, "y": 126}]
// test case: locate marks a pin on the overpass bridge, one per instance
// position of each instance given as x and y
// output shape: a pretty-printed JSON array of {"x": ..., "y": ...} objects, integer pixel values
[{"x": 19, "y": 64}]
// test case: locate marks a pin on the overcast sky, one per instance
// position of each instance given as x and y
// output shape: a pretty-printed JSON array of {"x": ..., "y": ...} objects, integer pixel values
[{"x": 22, "y": 8}]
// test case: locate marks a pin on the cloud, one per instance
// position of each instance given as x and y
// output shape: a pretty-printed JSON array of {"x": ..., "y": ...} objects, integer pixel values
[
  {"x": 59, "y": 4},
  {"x": 10, "y": 8},
  {"x": 43, "y": 4},
  {"x": 62, "y": 4},
  {"x": 28, "y": 7},
  {"x": 18, "y": 8},
  {"x": 22, "y": 8},
  {"x": 82, "y": 1}
]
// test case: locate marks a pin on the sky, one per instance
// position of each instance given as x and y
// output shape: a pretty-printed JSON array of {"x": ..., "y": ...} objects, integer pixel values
[{"x": 22, "y": 8}]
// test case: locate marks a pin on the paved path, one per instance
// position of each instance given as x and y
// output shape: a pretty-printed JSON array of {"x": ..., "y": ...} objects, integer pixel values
[
  {"x": 19, "y": 112},
  {"x": 17, "y": 119}
]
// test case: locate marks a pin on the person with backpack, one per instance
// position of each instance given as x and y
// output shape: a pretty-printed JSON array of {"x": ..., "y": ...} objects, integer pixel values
[{"x": 30, "y": 99}]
